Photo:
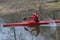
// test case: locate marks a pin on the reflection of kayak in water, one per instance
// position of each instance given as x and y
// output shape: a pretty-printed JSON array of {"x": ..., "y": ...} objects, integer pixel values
[{"x": 35, "y": 31}]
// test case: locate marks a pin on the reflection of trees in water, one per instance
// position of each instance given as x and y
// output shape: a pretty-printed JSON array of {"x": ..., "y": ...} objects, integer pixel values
[
  {"x": 46, "y": 33},
  {"x": 48, "y": 30}
]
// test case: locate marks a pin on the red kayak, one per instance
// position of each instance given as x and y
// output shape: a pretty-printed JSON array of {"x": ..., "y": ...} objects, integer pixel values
[
  {"x": 34, "y": 23},
  {"x": 30, "y": 23}
]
